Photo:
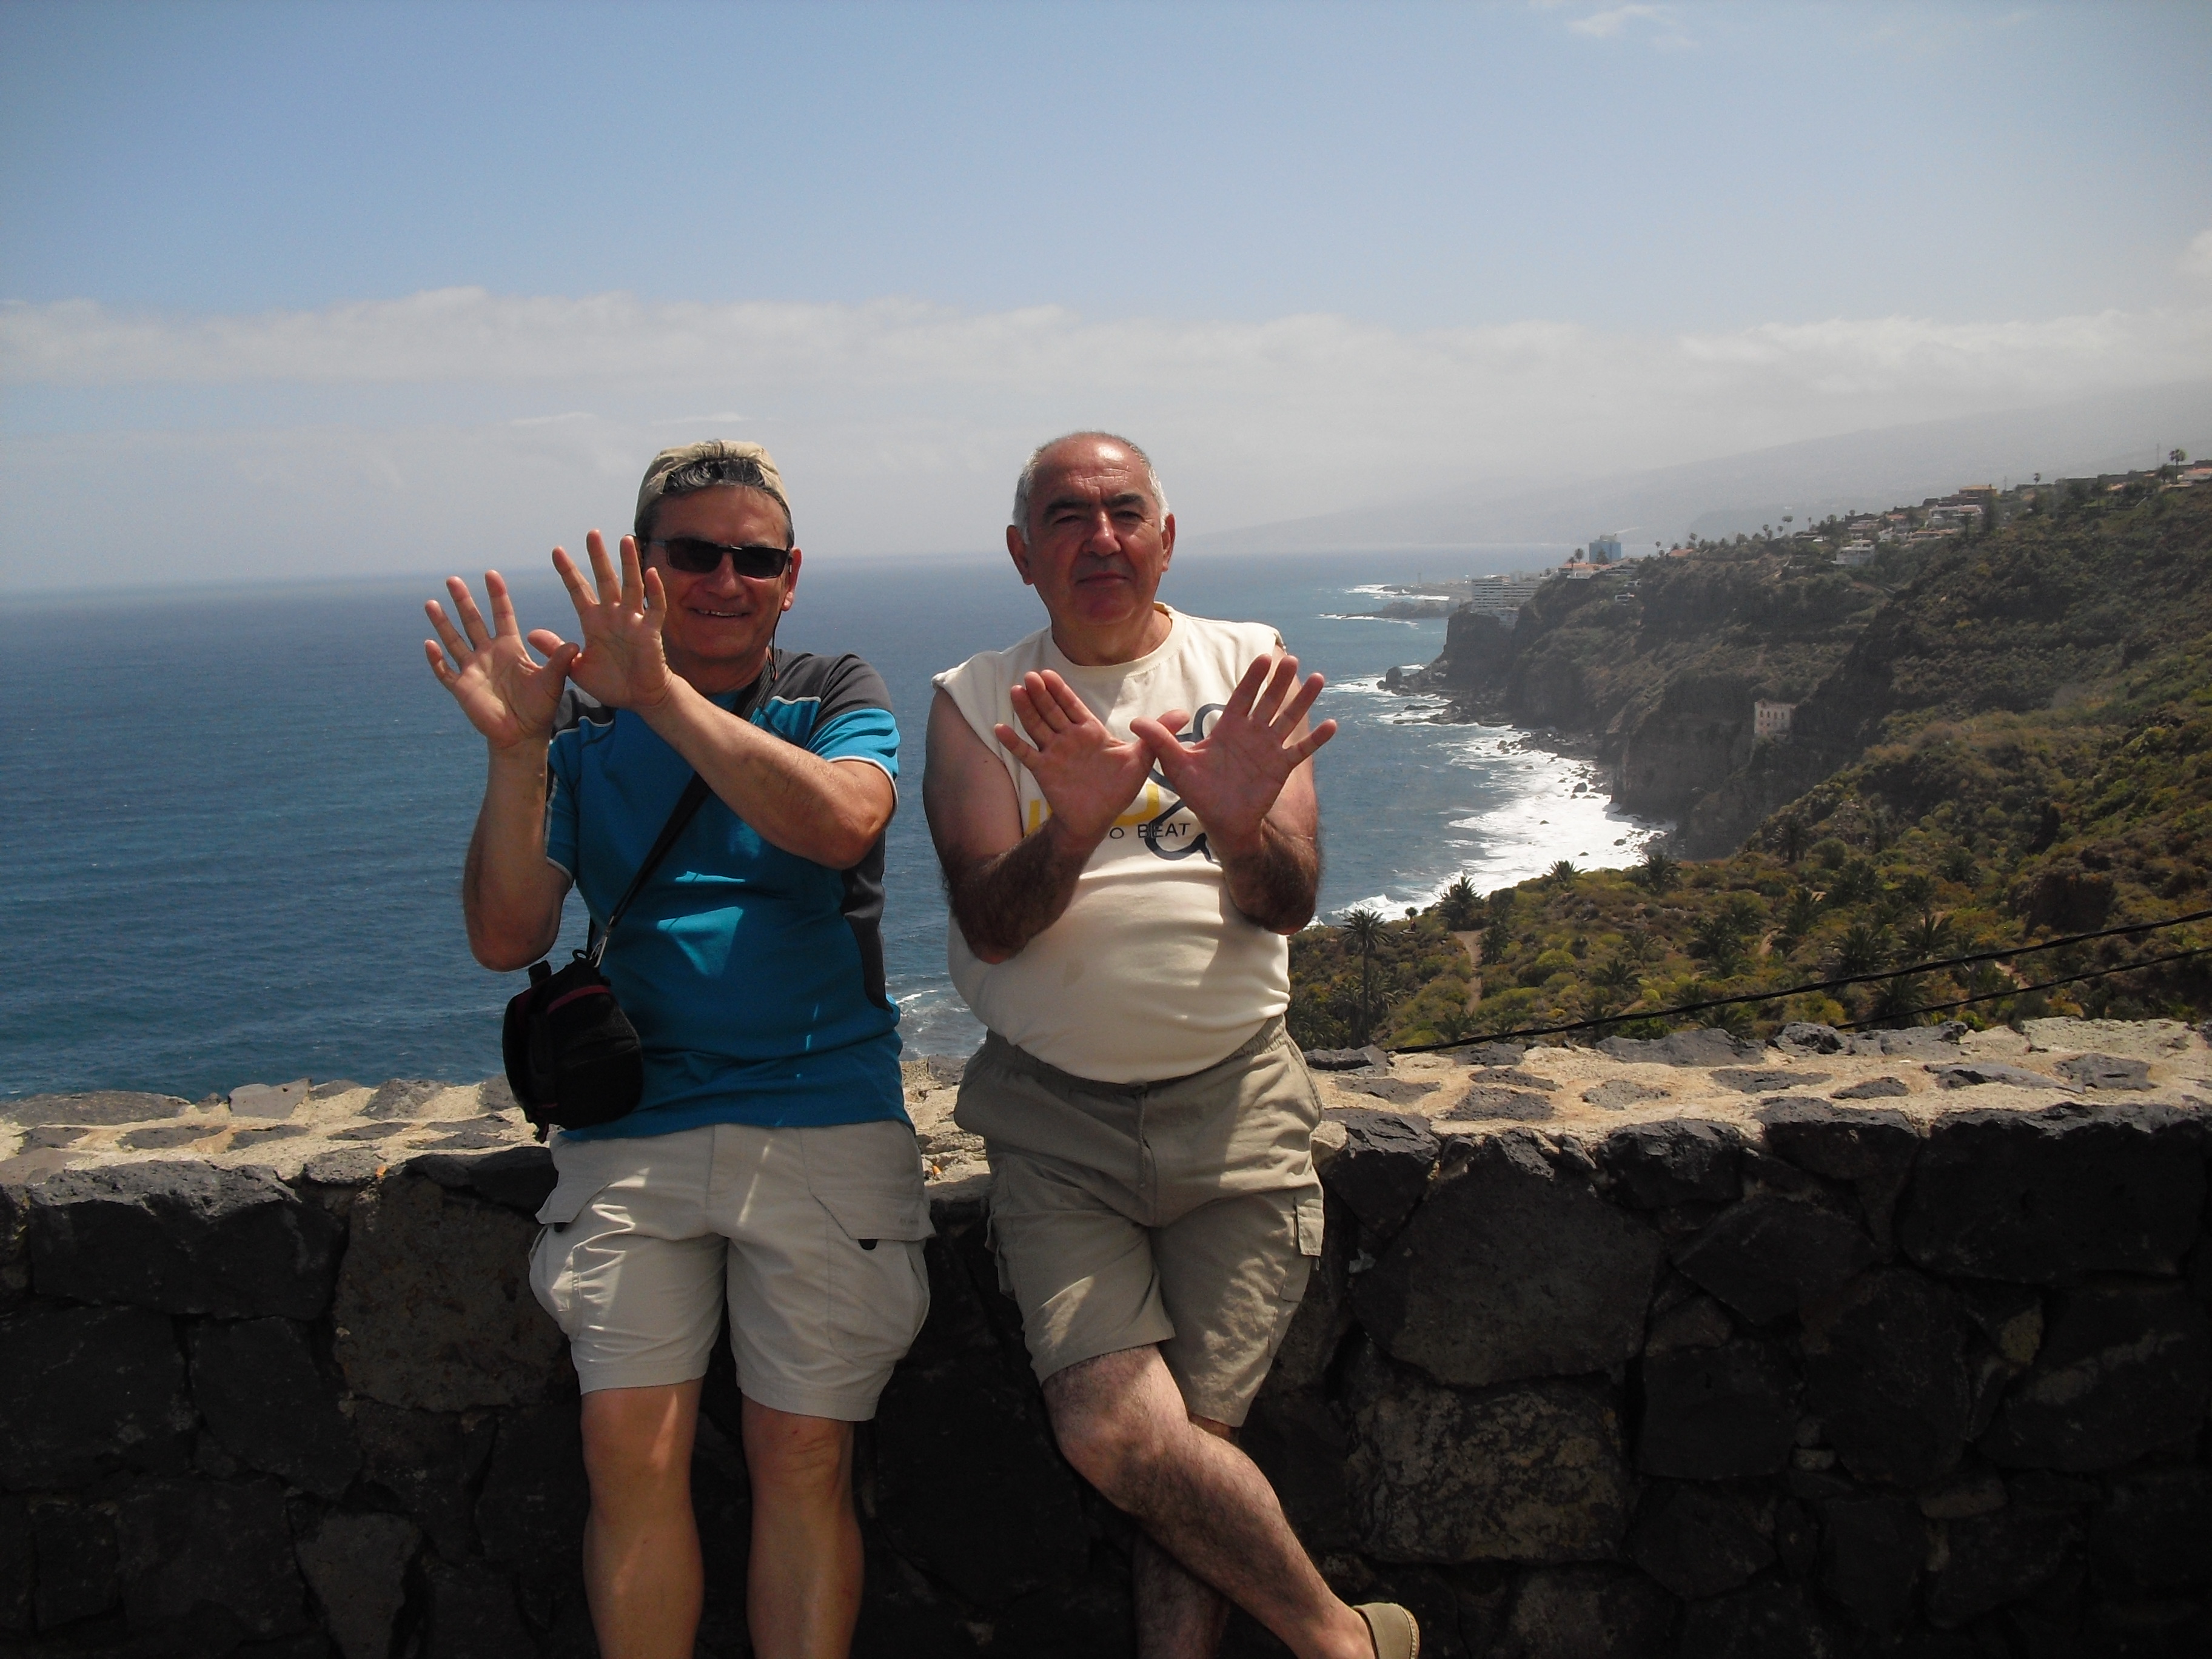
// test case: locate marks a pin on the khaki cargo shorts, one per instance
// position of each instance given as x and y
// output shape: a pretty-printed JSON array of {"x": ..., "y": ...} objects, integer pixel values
[
  {"x": 1184, "y": 1214},
  {"x": 813, "y": 1236}
]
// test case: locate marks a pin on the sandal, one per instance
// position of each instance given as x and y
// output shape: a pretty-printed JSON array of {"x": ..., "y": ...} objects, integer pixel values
[{"x": 1396, "y": 1633}]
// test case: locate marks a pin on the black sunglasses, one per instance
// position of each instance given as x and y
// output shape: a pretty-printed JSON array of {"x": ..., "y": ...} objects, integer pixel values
[{"x": 695, "y": 557}]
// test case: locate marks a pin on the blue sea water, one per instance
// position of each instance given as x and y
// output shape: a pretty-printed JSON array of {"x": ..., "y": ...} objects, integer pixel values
[{"x": 232, "y": 820}]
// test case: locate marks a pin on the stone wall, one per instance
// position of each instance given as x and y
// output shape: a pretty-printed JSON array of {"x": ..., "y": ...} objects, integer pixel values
[{"x": 1848, "y": 1345}]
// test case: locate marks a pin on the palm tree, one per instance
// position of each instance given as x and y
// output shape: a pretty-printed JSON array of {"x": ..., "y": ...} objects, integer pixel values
[
  {"x": 1791, "y": 837},
  {"x": 1458, "y": 905},
  {"x": 1658, "y": 873},
  {"x": 1863, "y": 949},
  {"x": 1927, "y": 937},
  {"x": 1364, "y": 927},
  {"x": 1563, "y": 873}
]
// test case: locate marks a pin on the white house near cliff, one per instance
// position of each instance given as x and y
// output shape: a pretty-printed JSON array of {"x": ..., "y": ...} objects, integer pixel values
[{"x": 1771, "y": 720}]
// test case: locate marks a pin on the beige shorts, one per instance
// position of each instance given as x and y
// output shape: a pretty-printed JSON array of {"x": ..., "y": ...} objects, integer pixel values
[
  {"x": 1184, "y": 1214},
  {"x": 813, "y": 1236}
]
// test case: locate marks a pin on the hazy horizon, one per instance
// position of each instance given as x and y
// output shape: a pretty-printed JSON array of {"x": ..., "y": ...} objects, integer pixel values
[{"x": 335, "y": 290}]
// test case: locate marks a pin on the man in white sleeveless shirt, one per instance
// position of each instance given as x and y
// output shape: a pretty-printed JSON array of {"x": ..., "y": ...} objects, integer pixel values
[{"x": 1123, "y": 804}]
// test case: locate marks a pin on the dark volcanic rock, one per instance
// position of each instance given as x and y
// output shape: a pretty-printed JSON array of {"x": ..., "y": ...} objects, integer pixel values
[
  {"x": 1584, "y": 1613},
  {"x": 1301, "y": 1447},
  {"x": 968, "y": 1484},
  {"x": 189, "y": 1542},
  {"x": 434, "y": 1305},
  {"x": 2154, "y": 1531},
  {"x": 1872, "y": 1149},
  {"x": 471, "y": 1613},
  {"x": 1678, "y": 1161},
  {"x": 1530, "y": 1471},
  {"x": 1757, "y": 1080},
  {"x": 1804, "y": 1038},
  {"x": 1767, "y": 1621},
  {"x": 102, "y": 1108},
  {"x": 428, "y": 1462},
  {"x": 517, "y": 1178},
  {"x": 79, "y": 1564},
  {"x": 1396, "y": 1090},
  {"x": 357, "y": 1566},
  {"x": 1697, "y": 1540},
  {"x": 1872, "y": 1551},
  {"x": 1701, "y": 1047},
  {"x": 1886, "y": 1374},
  {"x": 530, "y": 1512},
  {"x": 1992, "y": 1559},
  {"x": 2035, "y": 1198},
  {"x": 1486, "y": 1100},
  {"x": 1512, "y": 1266},
  {"x": 2124, "y": 1367},
  {"x": 2104, "y": 1071},
  {"x": 1382, "y": 1171},
  {"x": 184, "y": 1237},
  {"x": 87, "y": 1390},
  {"x": 1494, "y": 1053},
  {"x": 1718, "y": 1414},
  {"x": 257, "y": 1383},
  {"x": 18, "y": 1572},
  {"x": 1770, "y": 1254},
  {"x": 1874, "y": 1088},
  {"x": 400, "y": 1096},
  {"x": 1980, "y": 1072},
  {"x": 1617, "y": 1093}
]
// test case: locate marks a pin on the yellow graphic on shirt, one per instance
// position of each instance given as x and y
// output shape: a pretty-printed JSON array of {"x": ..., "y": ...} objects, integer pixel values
[{"x": 1147, "y": 804}]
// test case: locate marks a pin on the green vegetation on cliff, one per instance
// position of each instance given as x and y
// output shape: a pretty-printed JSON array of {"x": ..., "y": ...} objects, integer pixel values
[{"x": 2017, "y": 743}]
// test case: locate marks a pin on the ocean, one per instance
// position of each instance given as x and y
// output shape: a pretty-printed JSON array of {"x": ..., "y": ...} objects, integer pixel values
[{"x": 232, "y": 819}]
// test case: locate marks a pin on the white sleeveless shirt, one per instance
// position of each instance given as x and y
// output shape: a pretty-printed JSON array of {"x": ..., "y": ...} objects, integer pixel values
[{"x": 1150, "y": 972}]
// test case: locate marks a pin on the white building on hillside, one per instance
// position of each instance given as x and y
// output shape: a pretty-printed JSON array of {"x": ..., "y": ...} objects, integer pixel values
[{"x": 1771, "y": 720}]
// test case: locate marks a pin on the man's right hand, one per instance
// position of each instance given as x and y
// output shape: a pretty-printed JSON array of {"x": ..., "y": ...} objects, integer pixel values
[
  {"x": 507, "y": 695},
  {"x": 1088, "y": 776}
]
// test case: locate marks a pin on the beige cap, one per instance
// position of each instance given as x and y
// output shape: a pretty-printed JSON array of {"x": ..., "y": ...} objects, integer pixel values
[{"x": 713, "y": 449}]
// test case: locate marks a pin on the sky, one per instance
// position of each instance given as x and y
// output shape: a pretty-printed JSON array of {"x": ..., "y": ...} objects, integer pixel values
[{"x": 320, "y": 289}]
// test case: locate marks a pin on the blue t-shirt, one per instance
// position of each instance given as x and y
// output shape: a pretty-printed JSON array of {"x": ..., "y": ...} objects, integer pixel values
[{"x": 755, "y": 977}]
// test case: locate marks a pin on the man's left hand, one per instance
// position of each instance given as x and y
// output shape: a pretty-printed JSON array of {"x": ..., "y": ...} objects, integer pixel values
[
  {"x": 1231, "y": 777},
  {"x": 624, "y": 665}
]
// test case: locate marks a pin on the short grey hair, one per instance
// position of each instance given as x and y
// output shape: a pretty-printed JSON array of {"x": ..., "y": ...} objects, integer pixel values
[{"x": 1027, "y": 482}]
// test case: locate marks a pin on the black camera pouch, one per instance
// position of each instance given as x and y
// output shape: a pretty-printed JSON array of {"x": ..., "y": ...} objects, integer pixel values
[{"x": 573, "y": 1058}]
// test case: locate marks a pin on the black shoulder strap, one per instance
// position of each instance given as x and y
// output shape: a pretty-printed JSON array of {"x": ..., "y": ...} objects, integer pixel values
[{"x": 687, "y": 806}]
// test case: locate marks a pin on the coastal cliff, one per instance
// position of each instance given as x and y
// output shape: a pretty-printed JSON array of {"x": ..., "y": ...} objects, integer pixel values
[
  {"x": 1659, "y": 664},
  {"x": 2071, "y": 610}
]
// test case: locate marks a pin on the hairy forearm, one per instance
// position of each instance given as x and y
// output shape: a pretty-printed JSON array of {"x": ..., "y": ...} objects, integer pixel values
[
  {"x": 510, "y": 894},
  {"x": 1003, "y": 902},
  {"x": 1273, "y": 880},
  {"x": 812, "y": 808}
]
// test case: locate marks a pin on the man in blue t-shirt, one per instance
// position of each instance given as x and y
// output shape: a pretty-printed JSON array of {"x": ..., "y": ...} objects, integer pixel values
[{"x": 770, "y": 1162}]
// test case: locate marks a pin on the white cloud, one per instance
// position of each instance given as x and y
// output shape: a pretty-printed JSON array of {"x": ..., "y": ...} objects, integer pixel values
[
  {"x": 901, "y": 424},
  {"x": 1604, "y": 25},
  {"x": 2197, "y": 258}
]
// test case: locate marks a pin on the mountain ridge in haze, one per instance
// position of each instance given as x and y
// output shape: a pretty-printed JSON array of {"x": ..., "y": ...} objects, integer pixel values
[{"x": 1854, "y": 472}]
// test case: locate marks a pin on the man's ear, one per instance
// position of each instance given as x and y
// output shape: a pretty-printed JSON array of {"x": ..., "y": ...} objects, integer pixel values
[
  {"x": 790, "y": 581},
  {"x": 1018, "y": 550},
  {"x": 1167, "y": 540}
]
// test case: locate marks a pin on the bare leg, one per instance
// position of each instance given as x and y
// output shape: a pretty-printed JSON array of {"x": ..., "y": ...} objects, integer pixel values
[
  {"x": 1178, "y": 1617},
  {"x": 1121, "y": 1421},
  {"x": 642, "y": 1571},
  {"x": 803, "y": 1583}
]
